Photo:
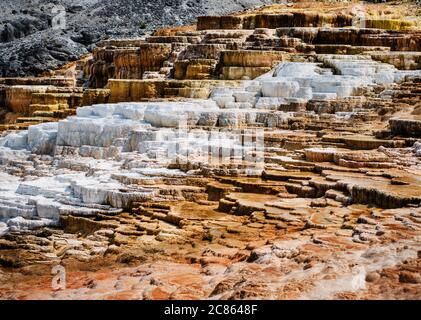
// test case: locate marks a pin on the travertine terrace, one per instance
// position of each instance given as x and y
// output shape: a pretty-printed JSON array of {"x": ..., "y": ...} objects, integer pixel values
[{"x": 268, "y": 154}]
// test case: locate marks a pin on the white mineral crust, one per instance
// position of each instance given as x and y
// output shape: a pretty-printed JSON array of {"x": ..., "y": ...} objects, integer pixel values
[{"x": 91, "y": 161}]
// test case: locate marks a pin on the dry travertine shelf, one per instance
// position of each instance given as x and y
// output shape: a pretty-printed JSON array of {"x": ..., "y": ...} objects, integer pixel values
[
  {"x": 330, "y": 210},
  {"x": 231, "y": 48}
]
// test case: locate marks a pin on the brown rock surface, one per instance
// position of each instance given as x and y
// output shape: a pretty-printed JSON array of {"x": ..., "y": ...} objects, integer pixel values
[{"x": 333, "y": 212}]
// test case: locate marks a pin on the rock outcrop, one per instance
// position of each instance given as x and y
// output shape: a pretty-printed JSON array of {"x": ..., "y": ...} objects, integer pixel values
[
  {"x": 37, "y": 36},
  {"x": 33, "y": 101},
  {"x": 280, "y": 145}
]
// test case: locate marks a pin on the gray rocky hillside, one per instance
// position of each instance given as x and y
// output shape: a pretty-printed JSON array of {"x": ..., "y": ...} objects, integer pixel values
[{"x": 30, "y": 45}]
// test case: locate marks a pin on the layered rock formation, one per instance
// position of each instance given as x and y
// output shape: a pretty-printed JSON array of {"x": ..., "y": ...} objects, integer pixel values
[
  {"x": 247, "y": 46},
  {"x": 39, "y": 35},
  {"x": 31, "y": 101},
  {"x": 232, "y": 162}
]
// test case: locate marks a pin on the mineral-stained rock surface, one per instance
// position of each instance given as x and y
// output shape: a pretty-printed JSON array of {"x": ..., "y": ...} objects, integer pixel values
[
  {"x": 271, "y": 154},
  {"x": 39, "y": 35}
]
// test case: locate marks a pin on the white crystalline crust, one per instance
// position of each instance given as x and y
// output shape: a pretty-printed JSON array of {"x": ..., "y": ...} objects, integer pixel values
[
  {"x": 3, "y": 229},
  {"x": 417, "y": 147},
  {"x": 99, "y": 154}
]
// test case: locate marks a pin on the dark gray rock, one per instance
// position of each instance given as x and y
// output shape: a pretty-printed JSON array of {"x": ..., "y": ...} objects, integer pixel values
[{"x": 29, "y": 45}]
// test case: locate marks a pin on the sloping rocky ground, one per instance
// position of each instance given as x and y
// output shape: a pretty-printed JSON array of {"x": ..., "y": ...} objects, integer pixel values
[
  {"x": 274, "y": 154},
  {"x": 29, "y": 45}
]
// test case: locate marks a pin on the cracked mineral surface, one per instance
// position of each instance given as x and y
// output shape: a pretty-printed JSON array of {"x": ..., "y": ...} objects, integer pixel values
[{"x": 270, "y": 154}]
